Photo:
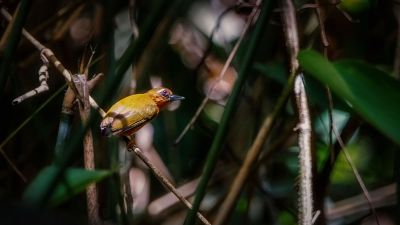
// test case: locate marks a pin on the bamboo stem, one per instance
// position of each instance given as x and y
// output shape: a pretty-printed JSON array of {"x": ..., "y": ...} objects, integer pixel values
[
  {"x": 304, "y": 127},
  {"x": 89, "y": 158},
  {"x": 229, "y": 108}
]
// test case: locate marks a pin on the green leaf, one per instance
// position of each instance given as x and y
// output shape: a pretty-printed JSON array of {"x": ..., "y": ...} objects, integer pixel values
[
  {"x": 75, "y": 180},
  {"x": 316, "y": 92},
  {"x": 372, "y": 93},
  {"x": 275, "y": 71}
]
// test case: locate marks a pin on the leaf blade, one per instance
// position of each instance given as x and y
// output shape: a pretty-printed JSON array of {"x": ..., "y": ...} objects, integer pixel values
[
  {"x": 369, "y": 91},
  {"x": 75, "y": 181}
]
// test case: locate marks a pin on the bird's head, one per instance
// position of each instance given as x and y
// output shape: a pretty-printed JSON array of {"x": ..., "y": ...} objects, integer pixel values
[{"x": 163, "y": 96}]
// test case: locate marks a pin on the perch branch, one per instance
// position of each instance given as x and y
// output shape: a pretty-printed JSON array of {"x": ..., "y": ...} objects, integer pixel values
[{"x": 167, "y": 183}]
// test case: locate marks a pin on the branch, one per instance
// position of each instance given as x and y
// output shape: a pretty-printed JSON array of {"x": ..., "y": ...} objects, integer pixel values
[
  {"x": 43, "y": 76},
  {"x": 167, "y": 183},
  {"x": 84, "y": 111},
  {"x": 304, "y": 126},
  {"x": 13, "y": 166},
  {"x": 356, "y": 174},
  {"x": 53, "y": 59},
  {"x": 220, "y": 76}
]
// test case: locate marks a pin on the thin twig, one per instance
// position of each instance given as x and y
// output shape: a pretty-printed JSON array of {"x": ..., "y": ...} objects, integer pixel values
[
  {"x": 43, "y": 76},
  {"x": 320, "y": 14},
  {"x": 356, "y": 174},
  {"x": 10, "y": 136},
  {"x": 396, "y": 65},
  {"x": 220, "y": 78},
  {"x": 316, "y": 215},
  {"x": 53, "y": 59},
  {"x": 167, "y": 183},
  {"x": 241, "y": 177},
  {"x": 252, "y": 155},
  {"x": 13, "y": 166},
  {"x": 63, "y": 29},
  {"x": 347, "y": 132},
  {"x": 217, "y": 145},
  {"x": 332, "y": 127},
  {"x": 382, "y": 197},
  {"x": 6, "y": 34},
  {"x": 27, "y": 35}
]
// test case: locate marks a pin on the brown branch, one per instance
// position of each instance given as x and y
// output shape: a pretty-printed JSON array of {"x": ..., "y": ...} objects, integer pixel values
[
  {"x": 254, "y": 151},
  {"x": 13, "y": 166},
  {"x": 241, "y": 177},
  {"x": 381, "y": 197},
  {"x": 89, "y": 159},
  {"x": 320, "y": 14},
  {"x": 60, "y": 32},
  {"x": 7, "y": 32},
  {"x": 220, "y": 76},
  {"x": 43, "y": 76},
  {"x": 356, "y": 174},
  {"x": 167, "y": 183},
  {"x": 53, "y": 59}
]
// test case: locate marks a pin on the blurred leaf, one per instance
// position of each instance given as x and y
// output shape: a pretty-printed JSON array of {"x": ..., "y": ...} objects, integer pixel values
[
  {"x": 361, "y": 156},
  {"x": 285, "y": 218},
  {"x": 75, "y": 180},
  {"x": 321, "y": 124},
  {"x": 317, "y": 94},
  {"x": 275, "y": 71},
  {"x": 371, "y": 92}
]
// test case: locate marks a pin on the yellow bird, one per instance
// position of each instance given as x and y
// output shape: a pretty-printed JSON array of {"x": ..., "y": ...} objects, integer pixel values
[{"x": 131, "y": 113}]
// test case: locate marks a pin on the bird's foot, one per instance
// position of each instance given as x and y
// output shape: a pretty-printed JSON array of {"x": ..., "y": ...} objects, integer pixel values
[
  {"x": 130, "y": 143},
  {"x": 131, "y": 146}
]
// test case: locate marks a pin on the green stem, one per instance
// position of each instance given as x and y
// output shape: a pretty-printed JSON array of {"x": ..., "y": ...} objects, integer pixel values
[
  {"x": 64, "y": 129},
  {"x": 135, "y": 48},
  {"x": 13, "y": 40},
  {"x": 229, "y": 109}
]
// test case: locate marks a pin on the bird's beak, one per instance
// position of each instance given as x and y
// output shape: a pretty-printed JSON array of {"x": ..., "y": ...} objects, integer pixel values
[{"x": 175, "y": 98}]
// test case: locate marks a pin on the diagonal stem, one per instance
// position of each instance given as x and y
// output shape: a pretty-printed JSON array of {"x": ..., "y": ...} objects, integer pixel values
[{"x": 167, "y": 183}]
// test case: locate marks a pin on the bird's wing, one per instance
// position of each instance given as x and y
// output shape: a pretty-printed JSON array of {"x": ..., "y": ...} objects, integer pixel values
[{"x": 130, "y": 114}]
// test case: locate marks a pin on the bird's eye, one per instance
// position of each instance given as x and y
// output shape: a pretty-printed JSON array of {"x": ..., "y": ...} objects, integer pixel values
[{"x": 164, "y": 93}]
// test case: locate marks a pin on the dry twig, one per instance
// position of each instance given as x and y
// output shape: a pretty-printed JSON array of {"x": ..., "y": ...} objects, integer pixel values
[
  {"x": 167, "y": 183},
  {"x": 220, "y": 76},
  {"x": 53, "y": 59}
]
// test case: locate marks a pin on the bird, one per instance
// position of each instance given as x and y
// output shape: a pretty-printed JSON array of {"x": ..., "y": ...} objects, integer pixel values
[{"x": 131, "y": 113}]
